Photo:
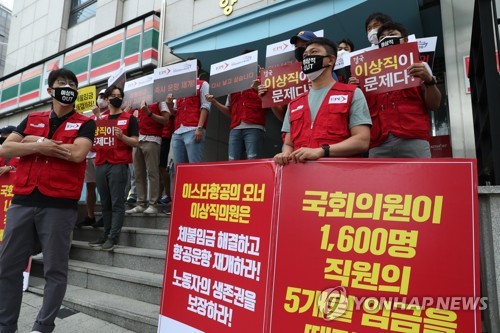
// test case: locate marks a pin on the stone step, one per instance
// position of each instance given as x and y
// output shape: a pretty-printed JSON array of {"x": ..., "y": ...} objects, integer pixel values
[
  {"x": 141, "y": 286},
  {"x": 148, "y": 221},
  {"x": 146, "y": 260},
  {"x": 128, "y": 313},
  {"x": 137, "y": 237}
]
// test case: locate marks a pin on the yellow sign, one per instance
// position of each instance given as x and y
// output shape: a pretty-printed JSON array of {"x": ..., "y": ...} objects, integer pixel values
[
  {"x": 227, "y": 5},
  {"x": 86, "y": 99}
]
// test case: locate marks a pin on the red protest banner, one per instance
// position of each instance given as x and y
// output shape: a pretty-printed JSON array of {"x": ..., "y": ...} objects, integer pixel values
[
  {"x": 218, "y": 251},
  {"x": 378, "y": 245},
  {"x": 105, "y": 134},
  {"x": 383, "y": 70},
  {"x": 283, "y": 84},
  {"x": 6, "y": 194},
  {"x": 373, "y": 246}
]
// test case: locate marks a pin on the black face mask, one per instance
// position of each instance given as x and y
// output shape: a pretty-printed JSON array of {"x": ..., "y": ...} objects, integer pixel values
[
  {"x": 313, "y": 64},
  {"x": 388, "y": 41},
  {"x": 2, "y": 140},
  {"x": 116, "y": 102},
  {"x": 299, "y": 53},
  {"x": 65, "y": 95}
]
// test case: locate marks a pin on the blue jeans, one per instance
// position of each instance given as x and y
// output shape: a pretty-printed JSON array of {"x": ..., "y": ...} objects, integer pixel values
[
  {"x": 251, "y": 140},
  {"x": 186, "y": 149}
]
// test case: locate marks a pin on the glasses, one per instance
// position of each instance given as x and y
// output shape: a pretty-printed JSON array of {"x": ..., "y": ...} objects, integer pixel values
[
  {"x": 62, "y": 83},
  {"x": 113, "y": 96}
]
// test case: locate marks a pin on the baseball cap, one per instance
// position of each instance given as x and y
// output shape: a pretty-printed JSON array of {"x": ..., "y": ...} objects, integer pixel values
[
  {"x": 304, "y": 35},
  {"x": 101, "y": 92}
]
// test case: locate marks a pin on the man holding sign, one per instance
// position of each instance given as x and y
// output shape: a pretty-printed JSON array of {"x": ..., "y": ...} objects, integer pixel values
[
  {"x": 112, "y": 165},
  {"x": 401, "y": 124},
  {"x": 331, "y": 119}
]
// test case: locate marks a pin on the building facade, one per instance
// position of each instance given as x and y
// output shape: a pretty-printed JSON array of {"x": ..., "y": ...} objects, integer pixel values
[
  {"x": 94, "y": 37},
  {"x": 5, "y": 17}
]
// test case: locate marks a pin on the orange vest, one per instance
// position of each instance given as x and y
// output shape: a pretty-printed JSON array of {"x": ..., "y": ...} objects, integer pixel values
[
  {"x": 331, "y": 124},
  {"x": 122, "y": 153},
  {"x": 402, "y": 113},
  {"x": 54, "y": 177}
]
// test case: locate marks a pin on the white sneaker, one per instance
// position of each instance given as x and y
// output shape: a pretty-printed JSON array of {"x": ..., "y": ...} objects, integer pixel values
[
  {"x": 136, "y": 209},
  {"x": 36, "y": 332},
  {"x": 39, "y": 256},
  {"x": 151, "y": 210}
]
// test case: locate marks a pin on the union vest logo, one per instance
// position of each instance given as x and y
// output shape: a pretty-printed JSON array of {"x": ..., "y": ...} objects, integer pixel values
[
  {"x": 339, "y": 99},
  {"x": 41, "y": 125},
  {"x": 72, "y": 126}
]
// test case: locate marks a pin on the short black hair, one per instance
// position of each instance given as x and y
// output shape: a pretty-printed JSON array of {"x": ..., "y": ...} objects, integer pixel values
[
  {"x": 381, "y": 17},
  {"x": 392, "y": 26},
  {"x": 61, "y": 73},
  {"x": 110, "y": 89},
  {"x": 348, "y": 42},
  {"x": 331, "y": 47}
]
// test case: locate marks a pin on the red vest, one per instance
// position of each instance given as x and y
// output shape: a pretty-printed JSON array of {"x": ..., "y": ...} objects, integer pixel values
[
  {"x": 54, "y": 177},
  {"x": 14, "y": 161},
  {"x": 246, "y": 106},
  {"x": 168, "y": 128},
  {"x": 188, "y": 109},
  {"x": 122, "y": 153},
  {"x": 148, "y": 126},
  {"x": 331, "y": 124},
  {"x": 402, "y": 113}
]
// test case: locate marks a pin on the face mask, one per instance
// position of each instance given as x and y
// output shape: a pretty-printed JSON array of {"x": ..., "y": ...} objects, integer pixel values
[
  {"x": 116, "y": 102},
  {"x": 313, "y": 66},
  {"x": 388, "y": 41},
  {"x": 65, "y": 95},
  {"x": 372, "y": 36},
  {"x": 102, "y": 103},
  {"x": 341, "y": 53},
  {"x": 299, "y": 53}
]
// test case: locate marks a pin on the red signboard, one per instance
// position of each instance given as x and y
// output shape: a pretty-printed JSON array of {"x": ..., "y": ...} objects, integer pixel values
[
  {"x": 283, "y": 84},
  {"x": 383, "y": 70},
  {"x": 105, "y": 133},
  {"x": 354, "y": 245},
  {"x": 6, "y": 194},
  {"x": 218, "y": 251}
]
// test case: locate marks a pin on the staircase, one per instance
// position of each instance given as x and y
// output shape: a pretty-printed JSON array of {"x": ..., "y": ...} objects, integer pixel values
[{"x": 123, "y": 286}]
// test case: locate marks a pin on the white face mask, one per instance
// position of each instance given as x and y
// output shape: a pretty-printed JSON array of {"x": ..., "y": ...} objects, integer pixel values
[
  {"x": 372, "y": 36},
  {"x": 341, "y": 53},
  {"x": 102, "y": 103},
  {"x": 314, "y": 75}
]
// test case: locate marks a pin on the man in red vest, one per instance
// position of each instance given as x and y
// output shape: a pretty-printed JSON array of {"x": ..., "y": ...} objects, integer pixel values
[
  {"x": 248, "y": 122},
  {"x": 331, "y": 119},
  {"x": 52, "y": 146},
  {"x": 112, "y": 168},
  {"x": 401, "y": 122}
]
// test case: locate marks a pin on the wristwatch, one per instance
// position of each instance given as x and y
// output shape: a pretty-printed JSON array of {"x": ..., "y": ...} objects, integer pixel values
[
  {"x": 40, "y": 140},
  {"x": 432, "y": 82},
  {"x": 199, "y": 128},
  {"x": 326, "y": 149}
]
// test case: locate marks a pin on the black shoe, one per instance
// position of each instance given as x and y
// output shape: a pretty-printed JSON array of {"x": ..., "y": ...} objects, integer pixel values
[
  {"x": 131, "y": 201},
  {"x": 98, "y": 224},
  {"x": 108, "y": 245},
  {"x": 87, "y": 222},
  {"x": 98, "y": 242}
]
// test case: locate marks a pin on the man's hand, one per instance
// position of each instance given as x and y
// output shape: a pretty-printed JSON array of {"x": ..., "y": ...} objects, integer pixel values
[
  {"x": 4, "y": 169},
  {"x": 53, "y": 149},
  {"x": 96, "y": 111},
  {"x": 118, "y": 133},
  {"x": 169, "y": 99},
  {"x": 127, "y": 108},
  {"x": 419, "y": 70},
  {"x": 282, "y": 158},
  {"x": 255, "y": 85},
  {"x": 144, "y": 107},
  {"x": 198, "y": 135},
  {"x": 353, "y": 80},
  {"x": 209, "y": 98},
  {"x": 261, "y": 90},
  {"x": 306, "y": 154}
]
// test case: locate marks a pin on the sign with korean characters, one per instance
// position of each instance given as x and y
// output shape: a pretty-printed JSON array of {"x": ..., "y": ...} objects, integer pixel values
[
  {"x": 377, "y": 246},
  {"x": 283, "y": 84},
  {"x": 233, "y": 75},
  {"x": 6, "y": 194},
  {"x": 383, "y": 70},
  {"x": 104, "y": 137},
  {"x": 138, "y": 90},
  {"x": 86, "y": 99},
  {"x": 283, "y": 53},
  {"x": 218, "y": 253},
  {"x": 177, "y": 79}
]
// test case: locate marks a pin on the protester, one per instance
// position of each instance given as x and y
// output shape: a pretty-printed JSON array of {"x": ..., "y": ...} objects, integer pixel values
[
  {"x": 152, "y": 118},
  {"x": 373, "y": 23},
  {"x": 338, "y": 111},
  {"x": 52, "y": 146},
  {"x": 344, "y": 46},
  {"x": 112, "y": 168},
  {"x": 100, "y": 109},
  {"x": 166, "y": 137},
  {"x": 191, "y": 115}
]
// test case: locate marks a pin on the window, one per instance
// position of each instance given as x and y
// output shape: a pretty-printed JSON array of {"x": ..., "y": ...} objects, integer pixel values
[{"x": 81, "y": 10}]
